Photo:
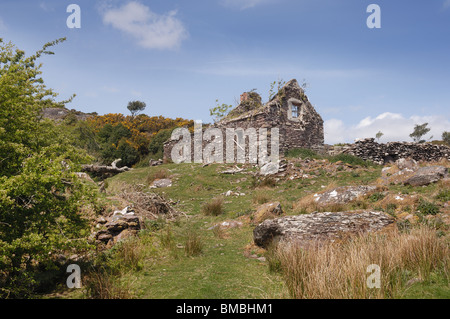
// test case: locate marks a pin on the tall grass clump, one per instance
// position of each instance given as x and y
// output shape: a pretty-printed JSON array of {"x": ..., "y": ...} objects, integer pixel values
[
  {"x": 340, "y": 271},
  {"x": 213, "y": 207},
  {"x": 158, "y": 174},
  {"x": 193, "y": 245},
  {"x": 102, "y": 283}
]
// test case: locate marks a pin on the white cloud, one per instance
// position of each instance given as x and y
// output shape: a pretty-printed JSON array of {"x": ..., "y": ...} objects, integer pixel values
[
  {"x": 242, "y": 4},
  {"x": 151, "y": 30},
  {"x": 394, "y": 126}
]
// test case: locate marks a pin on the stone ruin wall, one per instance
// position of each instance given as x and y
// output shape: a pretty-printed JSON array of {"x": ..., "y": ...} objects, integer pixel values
[
  {"x": 304, "y": 132},
  {"x": 380, "y": 153}
]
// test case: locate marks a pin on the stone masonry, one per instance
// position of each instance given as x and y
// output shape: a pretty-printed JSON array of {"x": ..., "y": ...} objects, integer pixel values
[{"x": 300, "y": 126}]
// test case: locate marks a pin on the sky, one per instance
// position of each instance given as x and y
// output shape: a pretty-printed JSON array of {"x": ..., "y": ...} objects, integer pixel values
[{"x": 180, "y": 56}]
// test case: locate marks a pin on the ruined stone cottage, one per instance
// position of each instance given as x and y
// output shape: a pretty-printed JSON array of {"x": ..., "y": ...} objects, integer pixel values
[{"x": 289, "y": 111}]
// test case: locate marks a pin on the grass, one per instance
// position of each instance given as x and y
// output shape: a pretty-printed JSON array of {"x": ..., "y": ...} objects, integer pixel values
[
  {"x": 158, "y": 174},
  {"x": 345, "y": 158},
  {"x": 193, "y": 245},
  {"x": 213, "y": 207},
  {"x": 335, "y": 272},
  {"x": 164, "y": 266}
]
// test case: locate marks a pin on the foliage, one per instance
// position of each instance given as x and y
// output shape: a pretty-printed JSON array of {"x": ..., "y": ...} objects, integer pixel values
[
  {"x": 427, "y": 208},
  {"x": 419, "y": 131},
  {"x": 379, "y": 135},
  {"x": 219, "y": 111},
  {"x": 443, "y": 195},
  {"x": 135, "y": 107},
  {"x": 40, "y": 195},
  {"x": 156, "y": 146},
  {"x": 278, "y": 84},
  {"x": 446, "y": 137},
  {"x": 131, "y": 138}
]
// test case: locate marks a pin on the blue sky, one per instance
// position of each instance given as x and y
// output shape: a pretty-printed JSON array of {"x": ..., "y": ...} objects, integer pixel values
[{"x": 179, "y": 56}]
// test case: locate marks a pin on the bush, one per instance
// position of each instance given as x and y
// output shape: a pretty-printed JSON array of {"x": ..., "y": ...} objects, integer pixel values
[
  {"x": 214, "y": 207},
  {"x": 443, "y": 196},
  {"x": 193, "y": 245},
  {"x": 156, "y": 146},
  {"x": 427, "y": 208},
  {"x": 159, "y": 174}
]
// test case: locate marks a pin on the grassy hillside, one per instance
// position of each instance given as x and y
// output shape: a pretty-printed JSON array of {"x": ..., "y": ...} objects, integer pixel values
[{"x": 189, "y": 258}]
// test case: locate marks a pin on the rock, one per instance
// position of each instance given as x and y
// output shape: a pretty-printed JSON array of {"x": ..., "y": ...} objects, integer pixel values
[
  {"x": 342, "y": 195},
  {"x": 427, "y": 175},
  {"x": 127, "y": 211},
  {"x": 160, "y": 183},
  {"x": 269, "y": 169},
  {"x": 127, "y": 233},
  {"x": 380, "y": 153},
  {"x": 231, "y": 193},
  {"x": 155, "y": 162},
  {"x": 316, "y": 228},
  {"x": 406, "y": 163},
  {"x": 268, "y": 210},
  {"x": 122, "y": 224},
  {"x": 103, "y": 236},
  {"x": 101, "y": 220}
]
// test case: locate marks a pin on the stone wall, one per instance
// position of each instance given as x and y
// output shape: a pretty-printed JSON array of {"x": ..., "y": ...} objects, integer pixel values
[
  {"x": 380, "y": 153},
  {"x": 302, "y": 128}
]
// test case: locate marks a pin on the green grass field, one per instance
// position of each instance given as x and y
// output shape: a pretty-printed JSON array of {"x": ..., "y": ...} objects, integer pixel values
[{"x": 222, "y": 266}]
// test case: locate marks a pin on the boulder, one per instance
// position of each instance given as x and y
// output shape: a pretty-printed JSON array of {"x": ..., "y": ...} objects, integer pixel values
[
  {"x": 155, "y": 162},
  {"x": 406, "y": 163},
  {"x": 120, "y": 225},
  {"x": 427, "y": 175},
  {"x": 269, "y": 169},
  {"x": 266, "y": 211},
  {"x": 317, "y": 228},
  {"x": 160, "y": 183},
  {"x": 342, "y": 195}
]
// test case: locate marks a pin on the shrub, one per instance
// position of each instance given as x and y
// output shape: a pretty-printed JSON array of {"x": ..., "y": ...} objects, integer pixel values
[
  {"x": 158, "y": 174},
  {"x": 213, "y": 207},
  {"x": 443, "y": 195},
  {"x": 427, "y": 208},
  {"x": 193, "y": 245},
  {"x": 376, "y": 197},
  {"x": 260, "y": 198},
  {"x": 102, "y": 284}
]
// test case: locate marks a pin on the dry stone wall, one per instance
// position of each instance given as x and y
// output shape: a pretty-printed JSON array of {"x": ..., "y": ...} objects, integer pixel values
[{"x": 380, "y": 153}]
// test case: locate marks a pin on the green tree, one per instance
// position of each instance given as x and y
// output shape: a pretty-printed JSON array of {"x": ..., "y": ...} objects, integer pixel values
[
  {"x": 135, "y": 107},
  {"x": 419, "y": 131},
  {"x": 156, "y": 146},
  {"x": 379, "y": 135},
  {"x": 40, "y": 195},
  {"x": 219, "y": 111},
  {"x": 446, "y": 137}
]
